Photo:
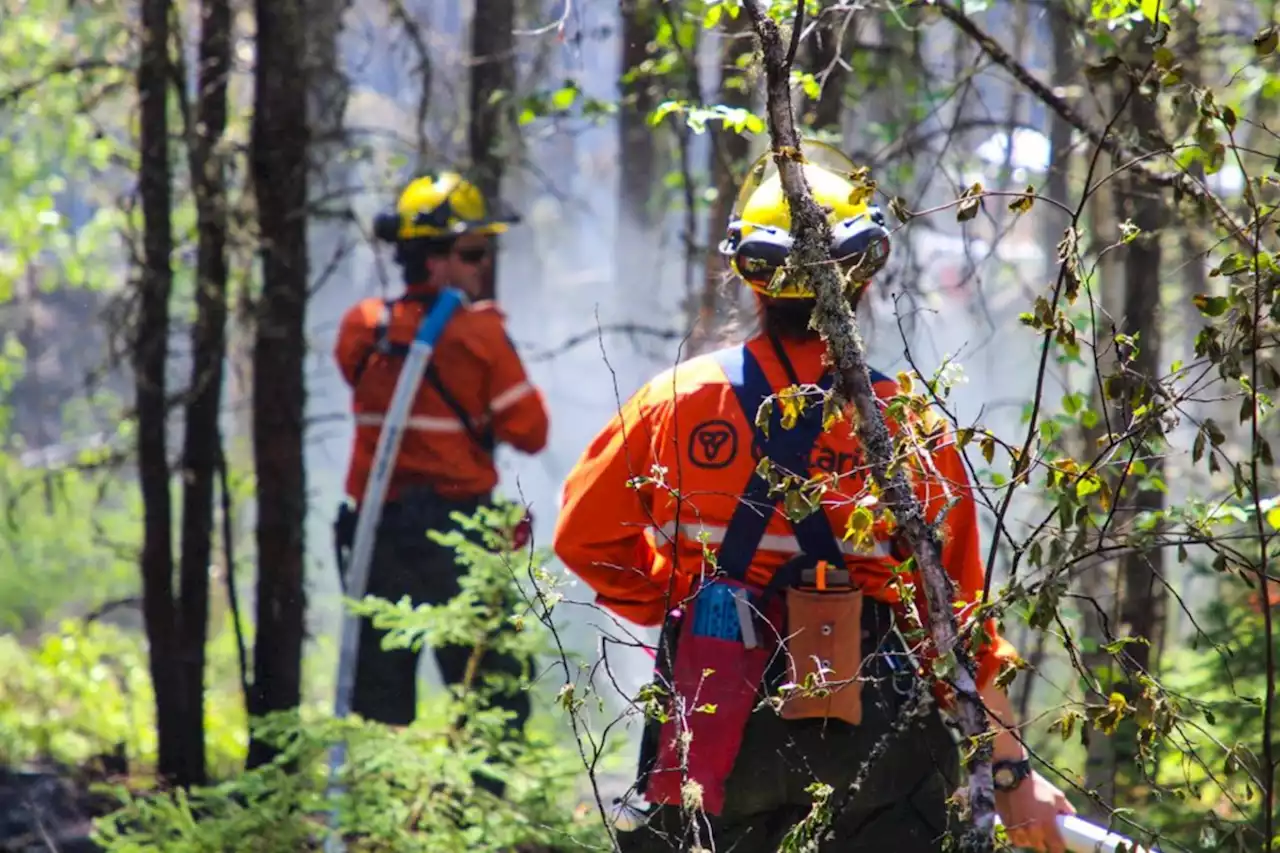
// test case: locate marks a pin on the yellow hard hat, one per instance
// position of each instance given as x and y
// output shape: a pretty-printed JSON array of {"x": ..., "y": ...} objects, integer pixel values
[
  {"x": 759, "y": 232},
  {"x": 443, "y": 205}
]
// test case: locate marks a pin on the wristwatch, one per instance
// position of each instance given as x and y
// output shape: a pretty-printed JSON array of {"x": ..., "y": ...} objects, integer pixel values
[{"x": 1008, "y": 775}]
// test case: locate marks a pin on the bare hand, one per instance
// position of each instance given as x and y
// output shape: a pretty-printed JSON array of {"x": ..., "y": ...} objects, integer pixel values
[{"x": 1029, "y": 813}]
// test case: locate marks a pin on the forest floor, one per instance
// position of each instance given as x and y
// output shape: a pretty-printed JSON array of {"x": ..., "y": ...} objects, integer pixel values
[{"x": 47, "y": 808}]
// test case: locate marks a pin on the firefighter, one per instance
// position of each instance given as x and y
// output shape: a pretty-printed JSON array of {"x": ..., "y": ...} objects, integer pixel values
[
  {"x": 475, "y": 394},
  {"x": 785, "y": 655}
]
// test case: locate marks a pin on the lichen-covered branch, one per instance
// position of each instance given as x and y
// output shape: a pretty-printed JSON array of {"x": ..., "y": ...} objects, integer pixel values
[{"x": 835, "y": 321}]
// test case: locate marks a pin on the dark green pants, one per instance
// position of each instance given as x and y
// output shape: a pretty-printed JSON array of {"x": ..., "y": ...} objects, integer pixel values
[
  {"x": 407, "y": 562},
  {"x": 900, "y": 807}
]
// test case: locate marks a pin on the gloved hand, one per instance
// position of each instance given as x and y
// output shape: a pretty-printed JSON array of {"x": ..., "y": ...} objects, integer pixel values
[{"x": 522, "y": 532}]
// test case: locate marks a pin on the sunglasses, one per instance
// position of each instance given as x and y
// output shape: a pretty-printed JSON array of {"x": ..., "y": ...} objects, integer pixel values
[{"x": 472, "y": 256}]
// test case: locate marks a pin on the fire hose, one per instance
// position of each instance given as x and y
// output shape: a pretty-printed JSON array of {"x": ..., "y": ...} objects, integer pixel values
[
  {"x": 375, "y": 493},
  {"x": 1081, "y": 836}
]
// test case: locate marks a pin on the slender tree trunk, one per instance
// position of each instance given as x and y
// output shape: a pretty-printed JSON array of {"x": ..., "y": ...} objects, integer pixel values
[
  {"x": 1129, "y": 599},
  {"x": 830, "y": 39},
  {"x": 635, "y": 242},
  {"x": 208, "y": 345},
  {"x": 150, "y": 354},
  {"x": 1143, "y": 602},
  {"x": 729, "y": 153},
  {"x": 280, "y": 152},
  {"x": 492, "y": 87}
]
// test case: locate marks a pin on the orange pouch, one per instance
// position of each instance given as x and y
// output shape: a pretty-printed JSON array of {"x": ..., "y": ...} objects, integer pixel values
[{"x": 824, "y": 654}]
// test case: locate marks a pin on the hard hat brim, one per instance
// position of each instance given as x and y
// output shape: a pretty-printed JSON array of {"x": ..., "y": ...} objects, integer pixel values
[{"x": 491, "y": 225}]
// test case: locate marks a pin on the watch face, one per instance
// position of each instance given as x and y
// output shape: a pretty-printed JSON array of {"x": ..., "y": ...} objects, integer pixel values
[{"x": 1003, "y": 777}]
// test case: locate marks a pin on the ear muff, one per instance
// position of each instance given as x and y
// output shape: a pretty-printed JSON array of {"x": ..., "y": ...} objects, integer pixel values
[
  {"x": 861, "y": 243},
  {"x": 758, "y": 256}
]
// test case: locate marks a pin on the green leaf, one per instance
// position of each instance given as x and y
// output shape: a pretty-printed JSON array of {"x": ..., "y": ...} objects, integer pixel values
[
  {"x": 1155, "y": 11},
  {"x": 664, "y": 109},
  {"x": 1087, "y": 485},
  {"x": 563, "y": 98},
  {"x": 1211, "y": 306}
]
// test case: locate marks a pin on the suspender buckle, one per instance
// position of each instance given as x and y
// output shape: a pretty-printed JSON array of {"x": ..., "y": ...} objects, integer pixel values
[{"x": 822, "y": 575}]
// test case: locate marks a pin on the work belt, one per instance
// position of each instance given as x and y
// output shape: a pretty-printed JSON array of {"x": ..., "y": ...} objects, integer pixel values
[{"x": 721, "y": 649}]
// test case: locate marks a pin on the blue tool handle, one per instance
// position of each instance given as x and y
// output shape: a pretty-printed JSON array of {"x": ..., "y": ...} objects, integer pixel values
[{"x": 447, "y": 301}]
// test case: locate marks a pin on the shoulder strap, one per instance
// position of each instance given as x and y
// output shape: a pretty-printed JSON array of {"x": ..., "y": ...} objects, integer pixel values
[
  {"x": 483, "y": 438},
  {"x": 788, "y": 448},
  {"x": 382, "y": 345}
]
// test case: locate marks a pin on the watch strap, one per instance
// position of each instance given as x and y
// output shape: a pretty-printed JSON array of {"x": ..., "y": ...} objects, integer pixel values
[{"x": 1020, "y": 769}]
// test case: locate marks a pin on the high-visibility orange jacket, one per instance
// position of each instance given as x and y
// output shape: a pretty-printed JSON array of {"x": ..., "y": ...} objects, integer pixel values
[
  {"x": 480, "y": 370},
  {"x": 639, "y": 543}
]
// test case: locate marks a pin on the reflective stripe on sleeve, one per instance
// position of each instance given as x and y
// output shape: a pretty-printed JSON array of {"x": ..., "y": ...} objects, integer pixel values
[
  {"x": 510, "y": 397},
  {"x": 419, "y": 423}
]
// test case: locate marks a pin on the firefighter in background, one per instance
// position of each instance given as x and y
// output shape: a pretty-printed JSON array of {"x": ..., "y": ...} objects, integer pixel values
[
  {"x": 475, "y": 394},
  {"x": 831, "y": 602}
]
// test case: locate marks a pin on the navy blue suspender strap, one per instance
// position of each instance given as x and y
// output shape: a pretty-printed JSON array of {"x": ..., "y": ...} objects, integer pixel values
[{"x": 787, "y": 448}]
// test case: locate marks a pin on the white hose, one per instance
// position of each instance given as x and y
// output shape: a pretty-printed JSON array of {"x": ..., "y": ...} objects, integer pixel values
[
  {"x": 370, "y": 511},
  {"x": 1084, "y": 837}
]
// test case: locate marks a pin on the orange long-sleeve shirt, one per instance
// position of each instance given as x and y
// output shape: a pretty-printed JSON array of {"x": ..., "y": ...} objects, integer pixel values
[
  {"x": 640, "y": 544},
  {"x": 479, "y": 367}
]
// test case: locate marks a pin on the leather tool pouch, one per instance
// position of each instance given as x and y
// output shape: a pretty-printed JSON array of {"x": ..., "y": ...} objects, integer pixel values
[
  {"x": 824, "y": 654},
  {"x": 717, "y": 675}
]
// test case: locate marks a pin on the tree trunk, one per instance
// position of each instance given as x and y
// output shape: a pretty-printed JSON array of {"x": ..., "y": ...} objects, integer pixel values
[
  {"x": 208, "y": 347},
  {"x": 492, "y": 88},
  {"x": 280, "y": 164},
  {"x": 635, "y": 243},
  {"x": 150, "y": 354},
  {"x": 1057, "y": 186},
  {"x": 1128, "y": 599},
  {"x": 1142, "y": 605},
  {"x": 825, "y": 49},
  {"x": 729, "y": 153}
]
